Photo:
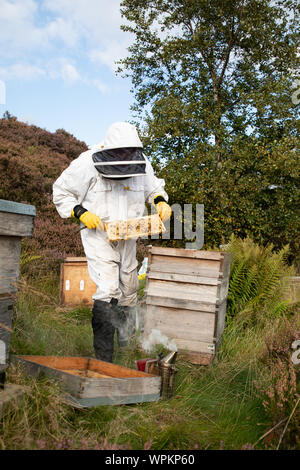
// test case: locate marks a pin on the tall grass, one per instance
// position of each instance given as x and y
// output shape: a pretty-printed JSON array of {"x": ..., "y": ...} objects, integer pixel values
[{"x": 214, "y": 407}]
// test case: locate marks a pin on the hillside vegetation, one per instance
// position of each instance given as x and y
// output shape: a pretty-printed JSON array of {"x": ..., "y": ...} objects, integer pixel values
[{"x": 31, "y": 159}]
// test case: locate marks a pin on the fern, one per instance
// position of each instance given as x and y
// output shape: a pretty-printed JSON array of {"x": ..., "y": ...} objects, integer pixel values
[{"x": 258, "y": 280}]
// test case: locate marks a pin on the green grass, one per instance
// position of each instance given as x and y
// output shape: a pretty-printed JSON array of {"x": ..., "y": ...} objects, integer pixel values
[{"x": 212, "y": 407}]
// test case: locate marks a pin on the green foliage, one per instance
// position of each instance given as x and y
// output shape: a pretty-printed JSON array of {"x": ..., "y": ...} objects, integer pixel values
[
  {"x": 213, "y": 85},
  {"x": 259, "y": 277}
]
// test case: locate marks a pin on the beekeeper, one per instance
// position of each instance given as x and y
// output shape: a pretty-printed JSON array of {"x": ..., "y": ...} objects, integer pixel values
[{"x": 110, "y": 182}]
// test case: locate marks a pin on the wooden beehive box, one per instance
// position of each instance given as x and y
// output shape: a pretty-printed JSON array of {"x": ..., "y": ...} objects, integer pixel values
[
  {"x": 90, "y": 382},
  {"x": 16, "y": 221},
  {"x": 76, "y": 286},
  {"x": 186, "y": 293}
]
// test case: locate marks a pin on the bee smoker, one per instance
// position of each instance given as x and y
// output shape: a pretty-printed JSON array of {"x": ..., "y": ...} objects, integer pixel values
[{"x": 167, "y": 371}]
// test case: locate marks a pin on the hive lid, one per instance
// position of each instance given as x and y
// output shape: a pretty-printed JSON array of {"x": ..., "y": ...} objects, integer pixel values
[{"x": 17, "y": 207}]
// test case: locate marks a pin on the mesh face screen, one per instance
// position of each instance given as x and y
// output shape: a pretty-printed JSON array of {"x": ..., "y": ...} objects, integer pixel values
[{"x": 122, "y": 162}]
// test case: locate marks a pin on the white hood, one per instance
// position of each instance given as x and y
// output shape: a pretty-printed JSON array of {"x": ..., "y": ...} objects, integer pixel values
[{"x": 120, "y": 135}]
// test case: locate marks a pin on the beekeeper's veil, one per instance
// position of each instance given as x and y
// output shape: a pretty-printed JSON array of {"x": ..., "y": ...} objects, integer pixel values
[{"x": 121, "y": 153}]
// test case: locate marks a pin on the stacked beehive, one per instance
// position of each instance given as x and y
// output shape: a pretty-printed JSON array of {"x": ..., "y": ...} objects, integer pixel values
[
  {"x": 16, "y": 221},
  {"x": 186, "y": 299}
]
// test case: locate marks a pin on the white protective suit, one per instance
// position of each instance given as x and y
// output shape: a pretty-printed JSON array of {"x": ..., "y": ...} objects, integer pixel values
[{"x": 112, "y": 266}]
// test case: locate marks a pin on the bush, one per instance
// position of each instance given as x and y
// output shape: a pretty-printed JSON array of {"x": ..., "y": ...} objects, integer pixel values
[{"x": 259, "y": 281}]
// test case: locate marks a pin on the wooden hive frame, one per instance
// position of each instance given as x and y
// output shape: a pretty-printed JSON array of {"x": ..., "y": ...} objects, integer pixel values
[
  {"x": 134, "y": 228},
  {"x": 186, "y": 293}
]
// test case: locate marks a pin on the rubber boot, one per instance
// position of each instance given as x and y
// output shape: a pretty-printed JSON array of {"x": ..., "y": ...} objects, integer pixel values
[
  {"x": 103, "y": 330},
  {"x": 127, "y": 329}
]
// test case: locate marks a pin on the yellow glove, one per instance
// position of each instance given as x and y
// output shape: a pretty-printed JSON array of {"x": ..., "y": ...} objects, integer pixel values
[
  {"x": 163, "y": 209},
  {"x": 89, "y": 219}
]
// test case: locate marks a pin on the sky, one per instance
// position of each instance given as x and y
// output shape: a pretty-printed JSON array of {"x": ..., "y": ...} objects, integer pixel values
[{"x": 57, "y": 65}]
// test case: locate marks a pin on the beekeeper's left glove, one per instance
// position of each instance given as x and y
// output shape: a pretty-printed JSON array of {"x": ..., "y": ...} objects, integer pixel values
[
  {"x": 163, "y": 208},
  {"x": 89, "y": 219}
]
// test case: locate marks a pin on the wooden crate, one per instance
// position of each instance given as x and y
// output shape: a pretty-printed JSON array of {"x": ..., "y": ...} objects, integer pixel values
[
  {"x": 91, "y": 382},
  {"x": 76, "y": 286},
  {"x": 16, "y": 221},
  {"x": 186, "y": 293}
]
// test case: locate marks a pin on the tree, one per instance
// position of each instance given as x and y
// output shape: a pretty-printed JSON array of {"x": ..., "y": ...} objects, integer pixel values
[{"x": 212, "y": 81}]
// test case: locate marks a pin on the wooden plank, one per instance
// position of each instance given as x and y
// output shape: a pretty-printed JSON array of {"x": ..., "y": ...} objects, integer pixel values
[
  {"x": 17, "y": 207},
  {"x": 210, "y": 281},
  {"x": 181, "y": 303},
  {"x": 75, "y": 260},
  {"x": 16, "y": 225},
  {"x": 195, "y": 346},
  {"x": 200, "y": 359},
  {"x": 220, "y": 317},
  {"x": 124, "y": 387},
  {"x": 85, "y": 373},
  {"x": 187, "y": 291},
  {"x": 114, "y": 370},
  {"x": 193, "y": 325},
  {"x": 225, "y": 268},
  {"x": 10, "y": 250},
  {"x": 191, "y": 266},
  {"x": 183, "y": 253},
  {"x": 59, "y": 362},
  {"x": 115, "y": 400}
]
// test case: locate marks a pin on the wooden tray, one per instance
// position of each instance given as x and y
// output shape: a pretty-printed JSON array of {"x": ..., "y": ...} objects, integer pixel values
[{"x": 91, "y": 382}]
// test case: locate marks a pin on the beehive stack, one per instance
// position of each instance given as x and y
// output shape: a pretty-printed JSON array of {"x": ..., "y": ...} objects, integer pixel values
[
  {"x": 186, "y": 299},
  {"x": 76, "y": 285},
  {"x": 16, "y": 221}
]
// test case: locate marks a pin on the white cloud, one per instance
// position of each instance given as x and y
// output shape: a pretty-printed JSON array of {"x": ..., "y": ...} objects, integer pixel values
[
  {"x": 69, "y": 73},
  {"x": 35, "y": 33},
  {"x": 102, "y": 87},
  {"x": 63, "y": 30},
  {"x": 97, "y": 19},
  {"x": 21, "y": 71},
  {"x": 109, "y": 54},
  {"x": 99, "y": 24},
  {"x": 18, "y": 31}
]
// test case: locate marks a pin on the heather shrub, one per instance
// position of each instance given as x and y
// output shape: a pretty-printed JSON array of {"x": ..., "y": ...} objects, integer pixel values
[
  {"x": 279, "y": 386},
  {"x": 54, "y": 239},
  {"x": 30, "y": 160}
]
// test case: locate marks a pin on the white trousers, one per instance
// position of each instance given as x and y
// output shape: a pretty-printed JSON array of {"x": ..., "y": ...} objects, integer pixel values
[{"x": 112, "y": 266}]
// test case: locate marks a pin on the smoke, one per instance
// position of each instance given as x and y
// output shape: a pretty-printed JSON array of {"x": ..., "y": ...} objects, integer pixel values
[{"x": 156, "y": 337}]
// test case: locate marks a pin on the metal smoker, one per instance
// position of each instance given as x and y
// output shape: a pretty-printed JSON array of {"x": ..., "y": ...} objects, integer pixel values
[{"x": 167, "y": 371}]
